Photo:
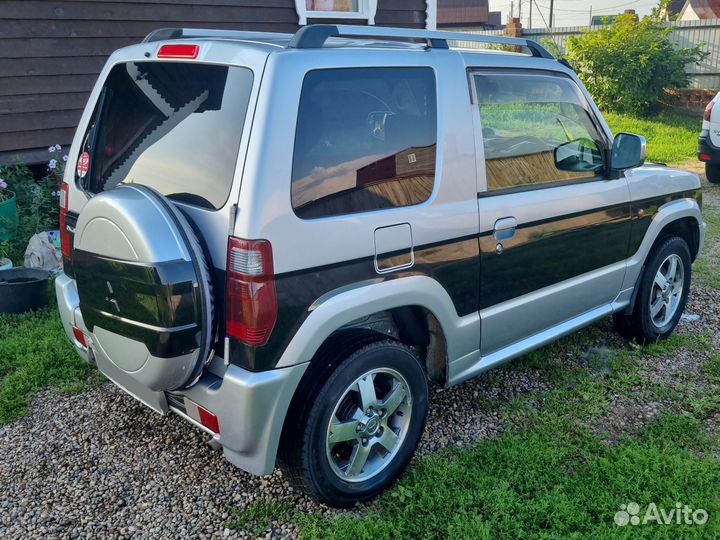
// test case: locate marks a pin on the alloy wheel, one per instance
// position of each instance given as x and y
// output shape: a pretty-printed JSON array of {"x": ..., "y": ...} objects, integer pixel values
[
  {"x": 666, "y": 292},
  {"x": 368, "y": 425}
]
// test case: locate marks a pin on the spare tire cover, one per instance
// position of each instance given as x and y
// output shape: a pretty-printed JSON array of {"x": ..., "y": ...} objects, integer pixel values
[{"x": 144, "y": 287}]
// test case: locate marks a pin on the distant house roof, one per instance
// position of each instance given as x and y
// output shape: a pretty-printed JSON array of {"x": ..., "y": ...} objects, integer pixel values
[
  {"x": 462, "y": 12},
  {"x": 701, "y": 9}
]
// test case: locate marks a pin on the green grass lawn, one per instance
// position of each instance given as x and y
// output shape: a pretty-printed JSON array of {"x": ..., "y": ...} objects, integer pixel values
[
  {"x": 551, "y": 475},
  {"x": 672, "y": 137},
  {"x": 35, "y": 353},
  {"x": 534, "y": 484},
  {"x": 706, "y": 270}
]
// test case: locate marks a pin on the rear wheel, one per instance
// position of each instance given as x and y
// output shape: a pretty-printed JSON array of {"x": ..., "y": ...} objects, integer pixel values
[
  {"x": 362, "y": 426},
  {"x": 662, "y": 293},
  {"x": 712, "y": 171}
]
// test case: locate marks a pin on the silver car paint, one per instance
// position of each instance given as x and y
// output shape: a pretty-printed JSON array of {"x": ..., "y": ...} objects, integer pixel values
[
  {"x": 252, "y": 406},
  {"x": 510, "y": 321},
  {"x": 264, "y": 207},
  {"x": 652, "y": 181}
]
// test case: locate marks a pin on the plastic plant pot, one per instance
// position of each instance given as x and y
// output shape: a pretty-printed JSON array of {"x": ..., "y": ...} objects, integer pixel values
[
  {"x": 8, "y": 216},
  {"x": 23, "y": 289}
]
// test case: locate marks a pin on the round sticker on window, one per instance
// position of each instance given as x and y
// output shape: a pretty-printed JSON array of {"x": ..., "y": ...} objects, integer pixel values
[{"x": 83, "y": 164}]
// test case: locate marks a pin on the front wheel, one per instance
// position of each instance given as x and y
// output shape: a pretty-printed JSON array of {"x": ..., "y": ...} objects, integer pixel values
[
  {"x": 662, "y": 294},
  {"x": 362, "y": 427}
]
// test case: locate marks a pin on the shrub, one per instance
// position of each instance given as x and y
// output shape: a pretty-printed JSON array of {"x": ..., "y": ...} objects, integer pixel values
[
  {"x": 37, "y": 201},
  {"x": 627, "y": 65}
]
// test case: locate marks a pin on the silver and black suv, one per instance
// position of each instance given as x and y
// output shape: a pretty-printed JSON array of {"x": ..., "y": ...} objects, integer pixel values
[{"x": 284, "y": 238}]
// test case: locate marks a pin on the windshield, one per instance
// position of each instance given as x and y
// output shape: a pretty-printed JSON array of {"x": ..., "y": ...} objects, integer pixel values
[{"x": 173, "y": 126}]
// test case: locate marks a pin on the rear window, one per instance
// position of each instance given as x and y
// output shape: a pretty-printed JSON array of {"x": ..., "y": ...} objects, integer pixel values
[
  {"x": 173, "y": 126},
  {"x": 365, "y": 140}
]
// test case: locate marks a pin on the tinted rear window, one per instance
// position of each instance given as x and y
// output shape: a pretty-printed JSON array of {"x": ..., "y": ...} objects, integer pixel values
[
  {"x": 365, "y": 140},
  {"x": 173, "y": 126}
]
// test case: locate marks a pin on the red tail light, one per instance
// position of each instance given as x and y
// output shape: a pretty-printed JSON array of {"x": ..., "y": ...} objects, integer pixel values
[
  {"x": 179, "y": 50},
  {"x": 708, "y": 111},
  {"x": 251, "y": 301},
  {"x": 65, "y": 241}
]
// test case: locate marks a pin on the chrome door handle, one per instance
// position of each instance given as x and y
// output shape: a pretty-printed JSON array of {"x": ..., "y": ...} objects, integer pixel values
[{"x": 505, "y": 228}]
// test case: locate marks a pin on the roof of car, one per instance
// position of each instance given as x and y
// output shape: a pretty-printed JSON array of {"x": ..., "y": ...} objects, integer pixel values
[{"x": 347, "y": 36}]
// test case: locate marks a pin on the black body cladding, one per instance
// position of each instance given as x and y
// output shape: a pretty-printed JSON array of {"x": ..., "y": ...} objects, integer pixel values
[
  {"x": 579, "y": 242},
  {"x": 156, "y": 304}
]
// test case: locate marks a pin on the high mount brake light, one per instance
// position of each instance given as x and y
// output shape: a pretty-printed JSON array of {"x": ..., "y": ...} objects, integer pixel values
[
  {"x": 179, "y": 50},
  {"x": 251, "y": 300}
]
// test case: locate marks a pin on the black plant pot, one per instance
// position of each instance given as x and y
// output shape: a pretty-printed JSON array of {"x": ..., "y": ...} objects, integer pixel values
[{"x": 23, "y": 289}]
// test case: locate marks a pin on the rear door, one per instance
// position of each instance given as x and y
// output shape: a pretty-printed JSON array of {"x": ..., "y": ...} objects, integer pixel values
[
  {"x": 160, "y": 154},
  {"x": 554, "y": 230}
]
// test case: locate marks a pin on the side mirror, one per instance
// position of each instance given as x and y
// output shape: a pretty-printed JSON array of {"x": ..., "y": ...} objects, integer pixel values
[
  {"x": 628, "y": 151},
  {"x": 580, "y": 155}
]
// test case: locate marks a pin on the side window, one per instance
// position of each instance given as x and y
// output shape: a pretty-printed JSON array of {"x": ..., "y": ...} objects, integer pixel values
[
  {"x": 536, "y": 129},
  {"x": 365, "y": 140}
]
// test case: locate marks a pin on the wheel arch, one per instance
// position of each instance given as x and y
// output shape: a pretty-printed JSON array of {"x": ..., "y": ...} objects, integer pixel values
[
  {"x": 686, "y": 228},
  {"x": 413, "y": 303},
  {"x": 681, "y": 218}
]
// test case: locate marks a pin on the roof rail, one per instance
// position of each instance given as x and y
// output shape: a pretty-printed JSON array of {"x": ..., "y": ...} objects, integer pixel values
[
  {"x": 163, "y": 34},
  {"x": 314, "y": 36}
]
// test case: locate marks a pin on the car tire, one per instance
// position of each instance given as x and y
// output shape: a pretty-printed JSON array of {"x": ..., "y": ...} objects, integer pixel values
[
  {"x": 377, "y": 397},
  {"x": 712, "y": 171},
  {"x": 662, "y": 293}
]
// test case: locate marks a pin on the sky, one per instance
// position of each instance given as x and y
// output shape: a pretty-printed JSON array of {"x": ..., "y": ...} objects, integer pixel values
[{"x": 570, "y": 12}]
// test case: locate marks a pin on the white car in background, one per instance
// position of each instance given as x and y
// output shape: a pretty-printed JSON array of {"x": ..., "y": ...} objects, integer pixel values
[{"x": 709, "y": 143}]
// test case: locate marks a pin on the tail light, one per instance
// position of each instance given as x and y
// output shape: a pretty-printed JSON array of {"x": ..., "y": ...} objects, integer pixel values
[
  {"x": 65, "y": 240},
  {"x": 179, "y": 50},
  {"x": 251, "y": 301},
  {"x": 708, "y": 111}
]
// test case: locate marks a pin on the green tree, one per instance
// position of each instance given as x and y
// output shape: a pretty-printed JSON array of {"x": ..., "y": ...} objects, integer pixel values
[{"x": 627, "y": 65}]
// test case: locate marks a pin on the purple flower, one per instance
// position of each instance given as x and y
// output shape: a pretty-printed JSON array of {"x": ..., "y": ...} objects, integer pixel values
[
  {"x": 51, "y": 149},
  {"x": 3, "y": 184},
  {"x": 58, "y": 147},
  {"x": 52, "y": 164},
  {"x": 65, "y": 158}
]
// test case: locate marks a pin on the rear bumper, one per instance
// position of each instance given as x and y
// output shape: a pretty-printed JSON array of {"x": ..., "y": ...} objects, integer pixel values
[
  {"x": 250, "y": 407},
  {"x": 707, "y": 148}
]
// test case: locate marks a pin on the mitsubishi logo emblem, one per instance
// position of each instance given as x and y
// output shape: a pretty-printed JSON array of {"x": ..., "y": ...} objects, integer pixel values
[{"x": 110, "y": 298}]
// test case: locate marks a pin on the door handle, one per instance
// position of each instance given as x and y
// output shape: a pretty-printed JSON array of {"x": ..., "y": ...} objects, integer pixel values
[{"x": 505, "y": 228}]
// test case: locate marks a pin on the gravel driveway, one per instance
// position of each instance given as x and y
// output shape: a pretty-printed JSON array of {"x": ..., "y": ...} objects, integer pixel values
[{"x": 99, "y": 464}]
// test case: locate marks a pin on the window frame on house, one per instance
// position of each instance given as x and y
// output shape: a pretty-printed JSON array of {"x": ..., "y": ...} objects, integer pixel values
[{"x": 366, "y": 11}]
